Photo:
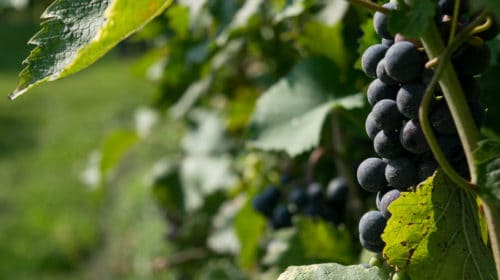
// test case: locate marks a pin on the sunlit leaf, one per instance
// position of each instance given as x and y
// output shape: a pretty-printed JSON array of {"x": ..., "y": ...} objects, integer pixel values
[{"x": 330, "y": 271}]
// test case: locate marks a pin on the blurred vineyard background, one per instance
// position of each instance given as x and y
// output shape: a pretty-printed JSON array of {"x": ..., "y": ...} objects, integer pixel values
[
  {"x": 54, "y": 222},
  {"x": 68, "y": 213}
]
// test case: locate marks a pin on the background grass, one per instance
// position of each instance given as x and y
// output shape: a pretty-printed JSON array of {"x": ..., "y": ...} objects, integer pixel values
[{"x": 51, "y": 224}]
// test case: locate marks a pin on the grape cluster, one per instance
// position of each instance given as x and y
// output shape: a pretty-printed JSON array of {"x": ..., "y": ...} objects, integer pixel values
[
  {"x": 397, "y": 65},
  {"x": 279, "y": 206}
]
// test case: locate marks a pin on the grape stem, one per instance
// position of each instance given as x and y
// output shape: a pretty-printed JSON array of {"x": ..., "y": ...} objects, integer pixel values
[
  {"x": 468, "y": 132},
  {"x": 370, "y": 5}
]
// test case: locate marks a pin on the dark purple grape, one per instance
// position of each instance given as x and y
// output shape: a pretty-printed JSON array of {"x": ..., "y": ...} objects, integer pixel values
[
  {"x": 412, "y": 138},
  {"x": 426, "y": 168},
  {"x": 441, "y": 119},
  {"x": 371, "y": 227},
  {"x": 378, "y": 90},
  {"x": 387, "y": 144},
  {"x": 337, "y": 191},
  {"x": 409, "y": 98},
  {"x": 371, "y": 58},
  {"x": 298, "y": 197},
  {"x": 387, "y": 42},
  {"x": 401, "y": 173},
  {"x": 370, "y": 174},
  {"x": 403, "y": 62},
  {"x": 370, "y": 127},
  {"x": 281, "y": 217},
  {"x": 315, "y": 192},
  {"x": 380, "y": 22},
  {"x": 386, "y": 115},
  {"x": 386, "y": 200},
  {"x": 382, "y": 74},
  {"x": 473, "y": 60},
  {"x": 266, "y": 200}
]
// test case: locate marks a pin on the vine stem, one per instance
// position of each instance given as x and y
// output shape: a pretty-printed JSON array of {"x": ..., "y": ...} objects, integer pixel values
[{"x": 468, "y": 132}]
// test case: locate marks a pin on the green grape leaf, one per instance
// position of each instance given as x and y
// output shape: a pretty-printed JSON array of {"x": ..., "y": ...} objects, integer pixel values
[
  {"x": 76, "y": 33},
  {"x": 333, "y": 271},
  {"x": 411, "y": 22},
  {"x": 434, "y": 233},
  {"x": 289, "y": 116},
  {"x": 487, "y": 160},
  {"x": 295, "y": 246}
]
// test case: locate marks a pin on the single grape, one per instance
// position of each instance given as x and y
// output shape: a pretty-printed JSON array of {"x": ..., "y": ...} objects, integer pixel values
[
  {"x": 401, "y": 173},
  {"x": 371, "y": 227},
  {"x": 373, "y": 247},
  {"x": 403, "y": 62},
  {"x": 370, "y": 127},
  {"x": 370, "y": 174},
  {"x": 315, "y": 192},
  {"x": 380, "y": 22},
  {"x": 337, "y": 191},
  {"x": 412, "y": 138},
  {"x": 409, "y": 98},
  {"x": 386, "y": 200},
  {"x": 387, "y": 145},
  {"x": 386, "y": 115},
  {"x": 371, "y": 58},
  {"x": 281, "y": 217},
  {"x": 382, "y": 74},
  {"x": 473, "y": 60},
  {"x": 378, "y": 90},
  {"x": 426, "y": 168},
  {"x": 266, "y": 200},
  {"x": 380, "y": 194},
  {"x": 298, "y": 197},
  {"x": 387, "y": 42},
  {"x": 441, "y": 119}
]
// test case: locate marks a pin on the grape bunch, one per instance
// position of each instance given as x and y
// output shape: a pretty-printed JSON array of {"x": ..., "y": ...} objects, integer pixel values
[
  {"x": 279, "y": 206},
  {"x": 397, "y": 65}
]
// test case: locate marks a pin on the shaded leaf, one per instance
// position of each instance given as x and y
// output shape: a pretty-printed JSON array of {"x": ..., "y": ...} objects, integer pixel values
[
  {"x": 487, "y": 159},
  {"x": 76, "y": 33},
  {"x": 434, "y": 234},
  {"x": 333, "y": 271},
  {"x": 294, "y": 246},
  {"x": 289, "y": 115},
  {"x": 411, "y": 22}
]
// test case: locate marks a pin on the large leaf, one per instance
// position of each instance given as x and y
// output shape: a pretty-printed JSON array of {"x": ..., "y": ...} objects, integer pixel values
[
  {"x": 295, "y": 246},
  {"x": 434, "y": 234},
  {"x": 333, "y": 271},
  {"x": 76, "y": 33},
  {"x": 487, "y": 157},
  {"x": 290, "y": 114}
]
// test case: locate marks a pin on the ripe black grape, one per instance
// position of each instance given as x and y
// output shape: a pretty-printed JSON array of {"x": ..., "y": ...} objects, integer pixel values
[
  {"x": 441, "y": 119},
  {"x": 412, "y": 138},
  {"x": 473, "y": 60},
  {"x": 315, "y": 192},
  {"x": 266, "y": 201},
  {"x": 386, "y": 115},
  {"x": 401, "y": 173},
  {"x": 281, "y": 217},
  {"x": 426, "y": 168},
  {"x": 382, "y": 74},
  {"x": 371, "y": 227},
  {"x": 298, "y": 197},
  {"x": 387, "y": 144},
  {"x": 380, "y": 23},
  {"x": 378, "y": 90},
  {"x": 371, "y": 58},
  {"x": 336, "y": 193},
  {"x": 370, "y": 127},
  {"x": 404, "y": 62},
  {"x": 370, "y": 174},
  {"x": 386, "y": 200},
  {"x": 409, "y": 98}
]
